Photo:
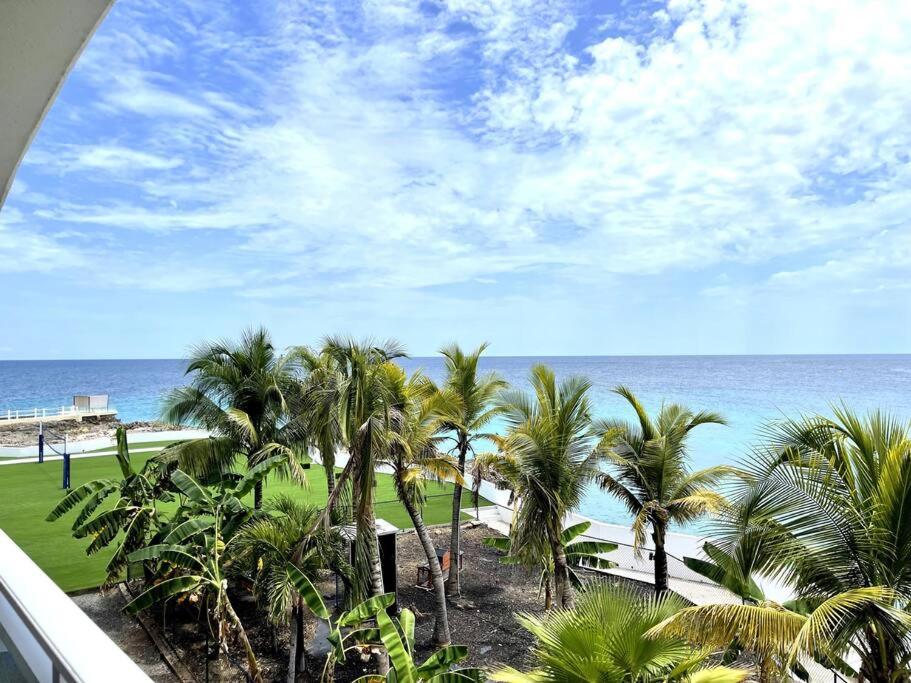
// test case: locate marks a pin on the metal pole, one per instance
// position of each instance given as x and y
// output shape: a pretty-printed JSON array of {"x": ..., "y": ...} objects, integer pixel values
[
  {"x": 40, "y": 442},
  {"x": 66, "y": 466}
]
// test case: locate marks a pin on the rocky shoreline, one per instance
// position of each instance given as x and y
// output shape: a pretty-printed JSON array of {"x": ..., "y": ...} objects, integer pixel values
[{"x": 87, "y": 428}]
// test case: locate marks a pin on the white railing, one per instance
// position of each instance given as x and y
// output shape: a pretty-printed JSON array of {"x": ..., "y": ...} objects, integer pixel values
[
  {"x": 45, "y": 413},
  {"x": 45, "y": 636}
]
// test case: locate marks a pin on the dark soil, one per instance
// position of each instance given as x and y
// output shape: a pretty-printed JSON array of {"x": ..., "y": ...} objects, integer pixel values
[{"x": 483, "y": 619}]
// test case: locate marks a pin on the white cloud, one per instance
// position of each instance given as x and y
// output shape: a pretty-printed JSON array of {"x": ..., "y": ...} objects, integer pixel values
[{"x": 726, "y": 134}]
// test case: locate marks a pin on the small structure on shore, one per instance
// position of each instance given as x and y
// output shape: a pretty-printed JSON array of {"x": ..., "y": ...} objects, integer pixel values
[{"x": 84, "y": 407}]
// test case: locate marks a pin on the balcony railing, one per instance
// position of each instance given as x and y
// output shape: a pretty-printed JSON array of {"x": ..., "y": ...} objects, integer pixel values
[{"x": 44, "y": 636}]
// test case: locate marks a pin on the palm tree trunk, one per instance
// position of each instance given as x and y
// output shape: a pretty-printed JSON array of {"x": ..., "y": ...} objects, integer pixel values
[
  {"x": 548, "y": 593},
  {"x": 453, "y": 585},
  {"x": 258, "y": 495},
  {"x": 441, "y": 636},
  {"x": 658, "y": 535},
  {"x": 565, "y": 594}
]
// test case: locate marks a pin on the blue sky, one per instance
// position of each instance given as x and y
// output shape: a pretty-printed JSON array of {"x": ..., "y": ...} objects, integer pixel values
[{"x": 555, "y": 178}]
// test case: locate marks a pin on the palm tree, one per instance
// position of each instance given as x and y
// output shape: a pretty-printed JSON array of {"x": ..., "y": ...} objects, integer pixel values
[
  {"x": 651, "y": 476},
  {"x": 268, "y": 545},
  {"x": 833, "y": 497},
  {"x": 413, "y": 458},
  {"x": 603, "y": 639},
  {"x": 363, "y": 411},
  {"x": 317, "y": 404},
  {"x": 548, "y": 456},
  {"x": 237, "y": 392},
  {"x": 466, "y": 412}
]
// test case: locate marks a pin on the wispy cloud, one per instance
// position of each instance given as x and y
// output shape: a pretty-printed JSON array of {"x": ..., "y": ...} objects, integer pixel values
[{"x": 415, "y": 151}]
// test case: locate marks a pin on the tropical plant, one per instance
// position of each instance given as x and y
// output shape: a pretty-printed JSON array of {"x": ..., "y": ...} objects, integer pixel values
[
  {"x": 733, "y": 570},
  {"x": 467, "y": 408},
  {"x": 269, "y": 545},
  {"x": 650, "y": 474},
  {"x": 363, "y": 411},
  {"x": 833, "y": 498},
  {"x": 604, "y": 639},
  {"x": 135, "y": 513},
  {"x": 413, "y": 458},
  {"x": 579, "y": 555},
  {"x": 549, "y": 455},
  {"x": 317, "y": 403},
  {"x": 237, "y": 392},
  {"x": 192, "y": 560},
  {"x": 355, "y": 630}
]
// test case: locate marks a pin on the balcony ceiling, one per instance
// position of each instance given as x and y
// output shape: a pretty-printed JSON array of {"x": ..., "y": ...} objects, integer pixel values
[{"x": 39, "y": 43}]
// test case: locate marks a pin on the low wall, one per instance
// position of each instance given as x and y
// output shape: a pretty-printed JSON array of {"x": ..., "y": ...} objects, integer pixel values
[{"x": 135, "y": 438}]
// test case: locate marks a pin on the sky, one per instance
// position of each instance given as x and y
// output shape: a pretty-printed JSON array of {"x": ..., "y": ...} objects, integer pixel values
[{"x": 556, "y": 178}]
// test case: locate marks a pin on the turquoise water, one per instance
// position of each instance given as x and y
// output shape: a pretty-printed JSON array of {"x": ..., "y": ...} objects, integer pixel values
[{"x": 747, "y": 390}]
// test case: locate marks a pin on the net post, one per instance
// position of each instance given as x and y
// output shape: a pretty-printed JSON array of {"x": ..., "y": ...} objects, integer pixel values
[{"x": 40, "y": 442}]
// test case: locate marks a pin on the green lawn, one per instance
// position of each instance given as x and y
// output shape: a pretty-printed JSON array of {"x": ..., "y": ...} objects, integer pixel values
[{"x": 29, "y": 491}]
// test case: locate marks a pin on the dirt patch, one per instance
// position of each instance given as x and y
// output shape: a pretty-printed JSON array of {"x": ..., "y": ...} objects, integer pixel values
[{"x": 106, "y": 610}]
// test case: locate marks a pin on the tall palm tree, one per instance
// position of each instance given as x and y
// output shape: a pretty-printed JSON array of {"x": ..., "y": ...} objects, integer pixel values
[
  {"x": 467, "y": 411},
  {"x": 650, "y": 474},
  {"x": 833, "y": 496},
  {"x": 363, "y": 409},
  {"x": 238, "y": 392},
  {"x": 604, "y": 639},
  {"x": 549, "y": 455},
  {"x": 413, "y": 458}
]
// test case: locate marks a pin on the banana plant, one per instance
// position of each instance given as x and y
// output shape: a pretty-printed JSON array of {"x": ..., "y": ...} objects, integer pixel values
[
  {"x": 369, "y": 627},
  {"x": 192, "y": 559},
  {"x": 135, "y": 512},
  {"x": 579, "y": 555}
]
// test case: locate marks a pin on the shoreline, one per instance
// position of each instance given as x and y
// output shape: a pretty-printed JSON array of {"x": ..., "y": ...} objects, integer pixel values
[{"x": 26, "y": 434}]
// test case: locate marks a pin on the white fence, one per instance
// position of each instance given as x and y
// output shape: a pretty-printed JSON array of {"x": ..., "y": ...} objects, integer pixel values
[{"x": 50, "y": 413}]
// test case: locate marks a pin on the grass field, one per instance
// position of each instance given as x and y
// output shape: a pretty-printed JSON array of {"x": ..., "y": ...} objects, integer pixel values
[{"x": 29, "y": 491}]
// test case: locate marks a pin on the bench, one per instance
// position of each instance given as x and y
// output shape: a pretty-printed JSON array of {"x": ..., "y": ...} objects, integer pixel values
[{"x": 424, "y": 580}]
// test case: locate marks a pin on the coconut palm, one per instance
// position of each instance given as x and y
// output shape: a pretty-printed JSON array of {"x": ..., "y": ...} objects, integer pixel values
[
  {"x": 650, "y": 474},
  {"x": 238, "y": 392},
  {"x": 316, "y": 402},
  {"x": 466, "y": 412},
  {"x": 413, "y": 458},
  {"x": 549, "y": 455},
  {"x": 834, "y": 498},
  {"x": 603, "y": 639},
  {"x": 363, "y": 411},
  {"x": 135, "y": 514},
  {"x": 268, "y": 545}
]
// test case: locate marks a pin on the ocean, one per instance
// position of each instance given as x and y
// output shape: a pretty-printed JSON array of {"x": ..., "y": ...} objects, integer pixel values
[{"x": 747, "y": 390}]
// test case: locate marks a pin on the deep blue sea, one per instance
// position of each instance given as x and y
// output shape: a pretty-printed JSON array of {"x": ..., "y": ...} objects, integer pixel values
[{"x": 747, "y": 390}]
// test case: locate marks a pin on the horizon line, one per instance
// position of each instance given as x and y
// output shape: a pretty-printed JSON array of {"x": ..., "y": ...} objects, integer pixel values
[{"x": 507, "y": 356}]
